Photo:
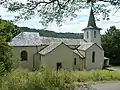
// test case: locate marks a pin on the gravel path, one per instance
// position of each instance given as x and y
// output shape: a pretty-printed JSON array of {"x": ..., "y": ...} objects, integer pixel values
[
  {"x": 113, "y": 69},
  {"x": 107, "y": 86},
  {"x": 102, "y": 86}
]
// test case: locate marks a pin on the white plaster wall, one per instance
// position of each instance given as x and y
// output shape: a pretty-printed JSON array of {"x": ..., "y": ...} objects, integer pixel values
[
  {"x": 79, "y": 63},
  {"x": 31, "y": 50},
  {"x": 61, "y": 54},
  {"x": 97, "y": 39},
  {"x": 36, "y": 62},
  {"x": 99, "y": 58},
  {"x": 91, "y": 36}
]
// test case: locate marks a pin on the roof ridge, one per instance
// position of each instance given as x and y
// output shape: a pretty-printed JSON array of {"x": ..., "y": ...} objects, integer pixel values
[{"x": 49, "y": 48}]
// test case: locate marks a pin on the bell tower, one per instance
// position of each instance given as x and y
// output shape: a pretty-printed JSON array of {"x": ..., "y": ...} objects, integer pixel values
[{"x": 92, "y": 32}]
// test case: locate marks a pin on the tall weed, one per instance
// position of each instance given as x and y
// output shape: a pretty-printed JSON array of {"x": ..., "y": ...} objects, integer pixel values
[{"x": 48, "y": 79}]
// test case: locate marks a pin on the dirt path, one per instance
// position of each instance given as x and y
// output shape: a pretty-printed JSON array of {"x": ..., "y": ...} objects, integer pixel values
[{"x": 107, "y": 86}]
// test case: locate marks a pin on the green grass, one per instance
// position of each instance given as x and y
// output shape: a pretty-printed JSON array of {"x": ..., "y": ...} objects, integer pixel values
[
  {"x": 117, "y": 67},
  {"x": 49, "y": 79}
]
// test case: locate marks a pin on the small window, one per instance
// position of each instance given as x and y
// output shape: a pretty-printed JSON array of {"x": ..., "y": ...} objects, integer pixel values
[
  {"x": 94, "y": 34},
  {"x": 87, "y": 35},
  {"x": 24, "y": 56},
  {"x": 93, "y": 57},
  {"x": 74, "y": 61}
]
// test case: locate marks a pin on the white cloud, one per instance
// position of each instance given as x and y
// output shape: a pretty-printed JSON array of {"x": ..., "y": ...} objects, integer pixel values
[
  {"x": 75, "y": 26},
  {"x": 114, "y": 20}
]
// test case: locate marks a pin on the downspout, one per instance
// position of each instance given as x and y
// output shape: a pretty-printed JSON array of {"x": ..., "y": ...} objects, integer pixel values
[
  {"x": 33, "y": 61},
  {"x": 85, "y": 61},
  {"x": 37, "y": 49},
  {"x": 40, "y": 60},
  {"x": 82, "y": 59},
  {"x": 34, "y": 57}
]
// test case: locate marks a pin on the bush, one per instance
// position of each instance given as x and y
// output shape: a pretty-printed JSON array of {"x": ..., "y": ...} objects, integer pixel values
[
  {"x": 7, "y": 62},
  {"x": 7, "y": 31},
  {"x": 97, "y": 75},
  {"x": 5, "y": 57},
  {"x": 48, "y": 79},
  {"x": 40, "y": 80}
]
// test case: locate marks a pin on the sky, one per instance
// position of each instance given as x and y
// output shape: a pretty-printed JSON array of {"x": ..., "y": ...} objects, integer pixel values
[{"x": 74, "y": 26}]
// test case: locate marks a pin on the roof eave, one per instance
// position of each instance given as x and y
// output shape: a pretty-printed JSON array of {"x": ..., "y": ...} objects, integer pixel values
[
  {"x": 79, "y": 55},
  {"x": 87, "y": 28}
]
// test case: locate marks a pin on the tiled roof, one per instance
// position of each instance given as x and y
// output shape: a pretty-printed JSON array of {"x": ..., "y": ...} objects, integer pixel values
[
  {"x": 49, "y": 48},
  {"x": 82, "y": 52},
  {"x": 85, "y": 46},
  {"x": 26, "y": 39},
  {"x": 78, "y": 53},
  {"x": 33, "y": 39},
  {"x": 54, "y": 45}
]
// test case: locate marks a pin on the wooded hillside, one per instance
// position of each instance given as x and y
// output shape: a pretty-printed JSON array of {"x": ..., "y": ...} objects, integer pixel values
[{"x": 47, "y": 33}]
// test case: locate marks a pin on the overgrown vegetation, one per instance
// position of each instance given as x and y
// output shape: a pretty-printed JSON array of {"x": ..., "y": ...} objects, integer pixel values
[
  {"x": 7, "y": 31},
  {"x": 48, "y": 79},
  {"x": 111, "y": 45}
]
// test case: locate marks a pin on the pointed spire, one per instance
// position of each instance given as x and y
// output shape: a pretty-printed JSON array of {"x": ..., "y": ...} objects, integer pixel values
[{"x": 91, "y": 21}]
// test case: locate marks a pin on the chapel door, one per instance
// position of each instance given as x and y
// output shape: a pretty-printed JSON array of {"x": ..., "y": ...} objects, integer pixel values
[{"x": 59, "y": 66}]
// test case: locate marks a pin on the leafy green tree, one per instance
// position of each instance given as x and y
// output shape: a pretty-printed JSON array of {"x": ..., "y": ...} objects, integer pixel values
[
  {"x": 5, "y": 57},
  {"x": 7, "y": 31},
  {"x": 111, "y": 45},
  {"x": 52, "y": 10}
]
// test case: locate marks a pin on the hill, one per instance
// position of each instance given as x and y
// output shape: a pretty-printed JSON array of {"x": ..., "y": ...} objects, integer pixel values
[{"x": 47, "y": 33}]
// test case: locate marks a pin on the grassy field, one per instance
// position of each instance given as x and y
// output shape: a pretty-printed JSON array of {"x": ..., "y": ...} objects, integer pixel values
[{"x": 48, "y": 79}]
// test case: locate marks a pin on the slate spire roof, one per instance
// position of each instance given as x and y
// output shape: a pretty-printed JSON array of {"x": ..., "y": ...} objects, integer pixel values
[{"x": 91, "y": 22}]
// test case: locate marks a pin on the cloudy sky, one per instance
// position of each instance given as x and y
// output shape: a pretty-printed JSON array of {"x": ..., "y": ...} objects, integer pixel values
[{"x": 74, "y": 26}]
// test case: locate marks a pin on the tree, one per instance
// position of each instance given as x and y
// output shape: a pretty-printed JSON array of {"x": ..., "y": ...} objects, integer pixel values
[
  {"x": 111, "y": 45},
  {"x": 5, "y": 57},
  {"x": 52, "y": 10},
  {"x": 7, "y": 31}
]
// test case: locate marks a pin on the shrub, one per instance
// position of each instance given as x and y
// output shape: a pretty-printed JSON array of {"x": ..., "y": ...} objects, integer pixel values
[
  {"x": 40, "y": 80},
  {"x": 5, "y": 57},
  {"x": 48, "y": 79}
]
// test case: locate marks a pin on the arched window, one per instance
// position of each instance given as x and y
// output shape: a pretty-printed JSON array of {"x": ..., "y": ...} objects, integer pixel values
[
  {"x": 93, "y": 57},
  {"x": 24, "y": 56},
  {"x": 94, "y": 34},
  {"x": 87, "y": 35}
]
